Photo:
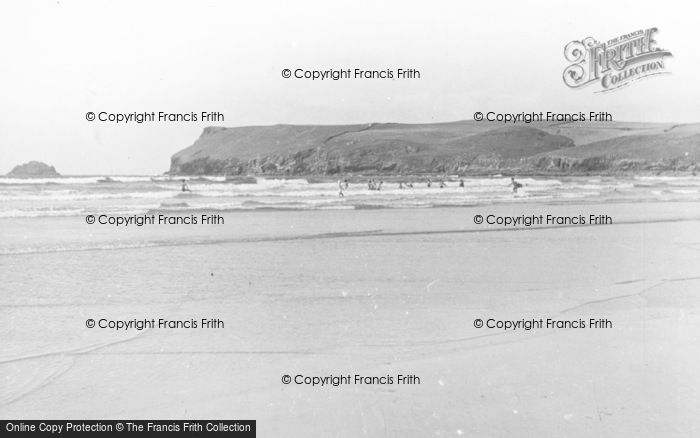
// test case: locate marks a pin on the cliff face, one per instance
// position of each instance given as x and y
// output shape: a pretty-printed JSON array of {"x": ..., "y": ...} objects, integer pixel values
[
  {"x": 33, "y": 169},
  {"x": 460, "y": 147}
]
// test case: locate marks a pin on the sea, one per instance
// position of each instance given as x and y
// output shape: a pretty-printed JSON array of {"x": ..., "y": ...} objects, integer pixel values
[
  {"x": 50, "y": 215},
  {"x": 129, "y": 195}
]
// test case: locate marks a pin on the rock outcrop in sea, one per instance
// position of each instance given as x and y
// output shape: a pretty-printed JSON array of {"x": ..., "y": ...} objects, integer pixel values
[{"x": 33, "y": 169}]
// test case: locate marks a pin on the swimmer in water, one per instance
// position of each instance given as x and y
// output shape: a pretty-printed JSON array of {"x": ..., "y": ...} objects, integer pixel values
[
  {"x": 185, "y": 187},
  {"x": 516, "y": 185}
]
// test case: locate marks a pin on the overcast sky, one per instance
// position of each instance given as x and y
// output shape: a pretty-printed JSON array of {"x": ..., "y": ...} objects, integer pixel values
[{"x": 61, "y": 59}]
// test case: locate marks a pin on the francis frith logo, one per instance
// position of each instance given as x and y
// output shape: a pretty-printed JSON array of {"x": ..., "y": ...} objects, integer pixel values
[{"x": 614, "y": 63}]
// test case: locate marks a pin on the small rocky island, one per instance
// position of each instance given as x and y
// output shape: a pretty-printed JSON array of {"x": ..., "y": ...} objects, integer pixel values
[{"x": 33, "y": 169}]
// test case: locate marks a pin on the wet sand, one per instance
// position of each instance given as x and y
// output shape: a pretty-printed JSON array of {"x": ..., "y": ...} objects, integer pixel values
[{"x": 369, "y": 292}]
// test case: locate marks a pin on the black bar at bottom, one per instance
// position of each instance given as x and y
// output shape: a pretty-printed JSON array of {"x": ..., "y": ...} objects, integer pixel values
[{"x": 151, "y": 428}]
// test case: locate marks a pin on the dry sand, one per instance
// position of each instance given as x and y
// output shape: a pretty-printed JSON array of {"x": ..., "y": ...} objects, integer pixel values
[{"x": 375, "y": 293}]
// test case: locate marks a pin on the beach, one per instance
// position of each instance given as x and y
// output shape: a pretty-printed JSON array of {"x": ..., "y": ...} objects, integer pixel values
[
  {"x": 392, "y": 219},
  {"x": 369, "y": 292}
]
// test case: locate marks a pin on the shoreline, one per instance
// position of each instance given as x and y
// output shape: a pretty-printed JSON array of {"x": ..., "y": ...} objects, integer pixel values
[
  {"x": 67, "y": 233},
  {"x": 359, "y": 177},
  {"x": 392, "y": 176}
]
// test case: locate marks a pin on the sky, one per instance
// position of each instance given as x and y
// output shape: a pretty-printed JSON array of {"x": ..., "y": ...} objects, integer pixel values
[{"x": 62, "y": 59}]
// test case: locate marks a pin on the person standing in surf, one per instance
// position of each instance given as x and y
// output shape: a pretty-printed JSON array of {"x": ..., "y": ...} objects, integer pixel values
[
  {"x": 185, "y": 187},
  {"x": 516, "y": 185}
]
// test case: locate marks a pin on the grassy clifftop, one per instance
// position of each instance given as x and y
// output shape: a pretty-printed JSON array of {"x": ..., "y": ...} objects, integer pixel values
[{"x": 457, "y": 147}]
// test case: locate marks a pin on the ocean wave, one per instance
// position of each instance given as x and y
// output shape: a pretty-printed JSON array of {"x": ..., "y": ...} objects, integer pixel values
[
  {"x": 44, "y": 181},
  {"x": 138, "y": 194},
  {"x": 32, "y": 212},
  {"x": 685, "y": 191},
  {"x": 27, "y": 213},
  {"x": 673, "y": 181},
  {"x": 102, "y": 179}
]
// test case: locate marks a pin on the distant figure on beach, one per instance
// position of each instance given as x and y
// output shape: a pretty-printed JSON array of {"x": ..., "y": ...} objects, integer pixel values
[
  {"x": 461, "y": 183},
  {"x": 516, "y": 185},
  {"x": 442, "y": 184},
  {"x": 340, "y": 189},
  {"x": 409, "y": 185},
  {"x": 430, "y": 183},
  {"x": 346, "y": 184},
  {"x": 374, "y": 185},
  {"x": 401, "y": 184},
  {"x": 185, "y": 187}
]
